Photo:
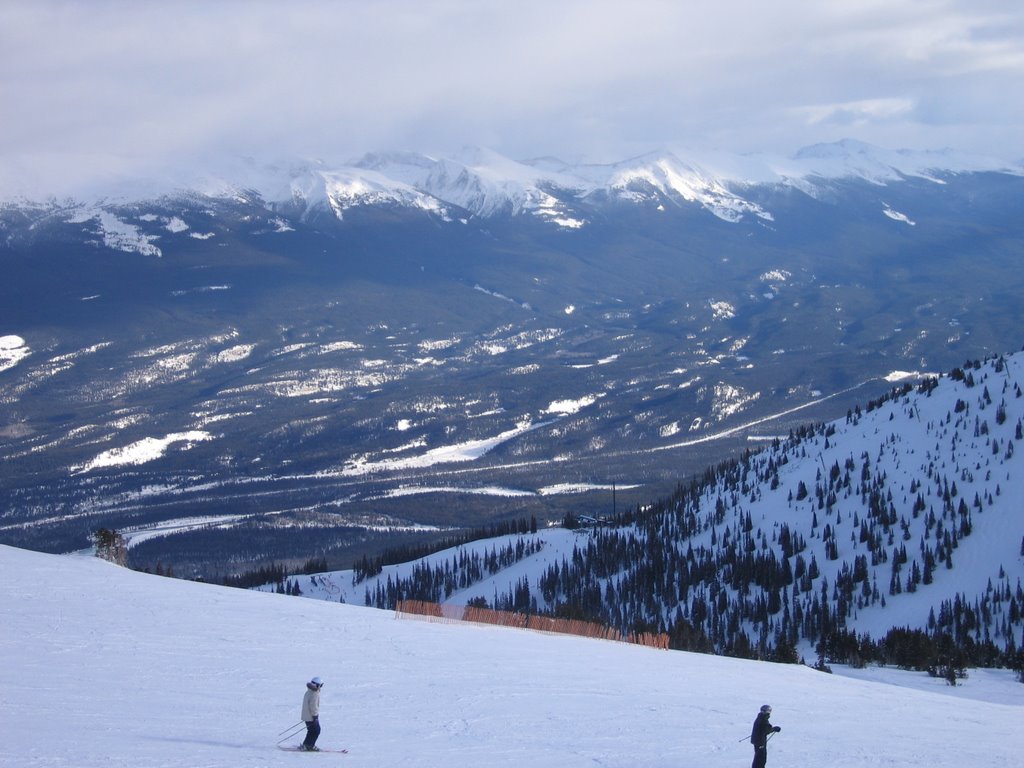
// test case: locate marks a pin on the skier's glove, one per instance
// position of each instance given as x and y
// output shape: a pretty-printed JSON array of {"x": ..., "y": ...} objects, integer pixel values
[{"x": 778, "y": 728}]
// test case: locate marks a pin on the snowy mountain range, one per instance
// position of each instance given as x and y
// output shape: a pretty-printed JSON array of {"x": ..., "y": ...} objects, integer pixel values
[
  {"x": 482, "y": 183},
  {"x": 313, "y": 359}
]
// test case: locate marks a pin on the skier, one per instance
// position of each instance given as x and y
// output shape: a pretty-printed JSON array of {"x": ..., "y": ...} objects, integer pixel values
[
  {"x": 311, "y": 714},
  {"x": 759, "y": 736}
]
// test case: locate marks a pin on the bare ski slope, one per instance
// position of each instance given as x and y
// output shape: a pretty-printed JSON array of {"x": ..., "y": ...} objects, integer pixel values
[{"x": 107, "y": 667}]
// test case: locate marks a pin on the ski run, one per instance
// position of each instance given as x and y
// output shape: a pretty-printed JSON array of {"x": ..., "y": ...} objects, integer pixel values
[{"x": 112, "y": 668}]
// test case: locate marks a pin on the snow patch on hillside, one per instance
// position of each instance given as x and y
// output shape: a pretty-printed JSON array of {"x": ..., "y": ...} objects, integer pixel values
[
  {"x": 722, "y": 310},
  {"x": 234, "y": 354},
  {"x": 570, "y": 406},
  {"x": 470, "y": 450},
  {"x": 134, "y": 535},
  {"x": 730, "y": 400},
  {"x": 116, "y": 233},
  {"x": 897, "y": 216},
  {"x": 340, "y": 346},
  {"x": 13, "y": 350},
  {"x": 419, "y": 490},
  {"x": 143, "y": 451}
]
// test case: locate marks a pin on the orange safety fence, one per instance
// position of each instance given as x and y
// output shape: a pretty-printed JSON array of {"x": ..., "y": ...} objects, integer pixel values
[{"x": 458, "y": 613}]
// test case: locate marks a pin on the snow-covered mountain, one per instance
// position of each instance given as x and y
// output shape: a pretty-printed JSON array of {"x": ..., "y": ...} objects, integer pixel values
[
  {"x": 480, "y": 182},
  {"x": 106, "y": 667},
  {"x": 849, "y": 158},
  {"x": 905, "y": 514},
  {"x": 483, "y": 183},
  {"x": 298, "y": 351}
]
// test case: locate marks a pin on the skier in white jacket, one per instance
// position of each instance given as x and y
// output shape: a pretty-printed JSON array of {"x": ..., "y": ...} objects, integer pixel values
[{"x": 311, "y": 714}]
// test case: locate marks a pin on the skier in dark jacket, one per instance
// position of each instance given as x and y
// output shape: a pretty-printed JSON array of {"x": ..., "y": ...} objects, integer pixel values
[{"x": 759, "y": 736}]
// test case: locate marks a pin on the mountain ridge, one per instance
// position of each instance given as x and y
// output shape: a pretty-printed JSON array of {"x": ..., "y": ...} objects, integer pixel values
[
  {"x": 484, "y": 183},
  {"x": 785, "y": 547}
]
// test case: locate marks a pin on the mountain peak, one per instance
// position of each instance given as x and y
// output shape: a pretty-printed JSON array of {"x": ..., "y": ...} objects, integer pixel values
[
  {"x": 852, "y": 158},
  {"x": 485, "y": 183}
]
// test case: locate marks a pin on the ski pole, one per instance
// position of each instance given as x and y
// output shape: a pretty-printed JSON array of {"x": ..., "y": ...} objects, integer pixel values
[
  {"x": 294, "y": 732},
  {"x": 747, "y": 738},
  {"x": 290, "y": 735},
  {"x": 301, "y": 722}
]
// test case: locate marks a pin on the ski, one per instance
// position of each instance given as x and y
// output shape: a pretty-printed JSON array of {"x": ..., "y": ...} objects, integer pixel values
[{"x": 319, "y": 749}]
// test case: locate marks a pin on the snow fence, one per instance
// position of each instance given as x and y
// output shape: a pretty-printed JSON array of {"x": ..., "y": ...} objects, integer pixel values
[{"x": 448, "y": 613}]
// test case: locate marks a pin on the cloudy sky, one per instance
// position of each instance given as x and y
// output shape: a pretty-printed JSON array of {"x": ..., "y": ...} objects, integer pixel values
[{"x": 97, "y": 87}]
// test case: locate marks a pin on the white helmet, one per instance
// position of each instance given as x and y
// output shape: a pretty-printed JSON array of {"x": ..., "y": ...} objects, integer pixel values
[{"x": 317, "y": 681}]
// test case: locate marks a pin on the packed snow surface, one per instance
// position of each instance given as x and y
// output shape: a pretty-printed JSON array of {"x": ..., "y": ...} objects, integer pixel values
[{"x": 110, "y": 668}]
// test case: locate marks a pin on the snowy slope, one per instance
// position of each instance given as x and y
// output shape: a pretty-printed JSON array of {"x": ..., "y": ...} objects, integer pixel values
[
  {"x": 106, "y": 667},
  {"x": 482, "y": 182},
  {"x": 941, "y": 460}
]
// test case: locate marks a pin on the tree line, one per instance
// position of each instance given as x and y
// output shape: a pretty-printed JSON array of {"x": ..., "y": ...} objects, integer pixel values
[{"x": 698, "y": 567}]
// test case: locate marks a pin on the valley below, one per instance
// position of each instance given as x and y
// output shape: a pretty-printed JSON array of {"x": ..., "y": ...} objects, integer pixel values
[{"x": 230, "y": 382}]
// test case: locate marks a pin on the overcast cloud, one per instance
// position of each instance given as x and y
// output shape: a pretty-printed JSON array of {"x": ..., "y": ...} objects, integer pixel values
[{"x": 98, "y": 87}]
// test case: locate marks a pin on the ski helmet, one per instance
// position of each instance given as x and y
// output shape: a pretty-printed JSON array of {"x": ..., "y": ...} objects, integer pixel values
[
  {"x": 317, "y": 681},
  {"x": 766, "y": 709}
]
